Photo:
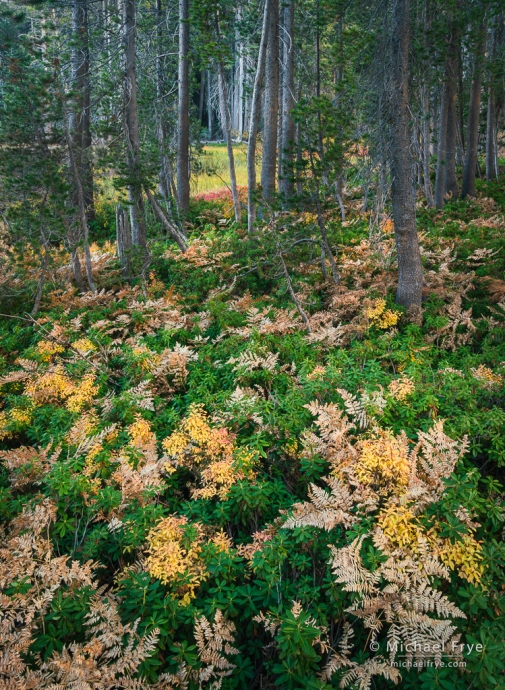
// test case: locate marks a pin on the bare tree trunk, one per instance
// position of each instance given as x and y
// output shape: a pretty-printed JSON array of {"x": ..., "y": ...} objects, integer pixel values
[
  {"x": 42, "y": 278},
  {"x": 410, "y": 272},
  {"x": 288, "y": 87},
  {"x": 86, "y": 163},
  {"x": 271, "y": 105},
  {"x": 491, "y": 167},
  {"x": 183, "y": 110},
  {"x": 226, "y": 126},
  {"x": 426, "y": 149},
  {"x": 451, "y": 180},
  {"x": 442, "y": 145},
  {"x": 471, "y": 160},
  {"x": 76, "y": 264},
  {"x": 123, "y": 240},
  {"x": 172, "y": 230},
  {"x": 80, "y": 196},
  {"x": 253, "y": 120},
  {"x": 201, "y": 101},
  {"x": 240, "y": 99},
  {"x": 164, "y": 173},
  {"x": 138, "y": 223},
  {"x": 210, "y": 113}
]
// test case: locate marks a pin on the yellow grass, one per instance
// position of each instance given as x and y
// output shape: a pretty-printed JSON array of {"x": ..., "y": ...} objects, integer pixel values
[{"x": 214, "y": 174}]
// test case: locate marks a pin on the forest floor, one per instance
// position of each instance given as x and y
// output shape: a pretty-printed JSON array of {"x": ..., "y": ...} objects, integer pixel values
[{"x": 165, "y": 432}]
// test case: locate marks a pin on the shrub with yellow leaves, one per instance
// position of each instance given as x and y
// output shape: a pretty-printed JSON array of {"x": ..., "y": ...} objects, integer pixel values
[
  {"x": 83, "y": 346},
  {"x": 175, "y": 549},
  {"x": 486, "y": 376},
  {"x": 380, "y": 317},
  {"x": 383, "y": 462},
  {"x": 465, "y": 556},
  {"x": 47, "y": 349},
  {"x": 210, "y": 453},
  {"x": 400, "y": 527},
  {"x": 401, "y": 388}
]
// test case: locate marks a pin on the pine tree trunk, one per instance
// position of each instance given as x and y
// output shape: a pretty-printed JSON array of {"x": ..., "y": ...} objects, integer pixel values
[
  {"x": 201, "y": 101},
  {"x": 288, "y": 87},
  {"x": 240, "y": 103},
  {"x": 123, "y": 240},
  {"x": 442, "y": 146},
  {"x": 226, "y": 126},
  {"x": 472, "y": 145},
  {"x": 491, "y": 171},
  {"x": 271, "y": 105},
  {"x": 410, "y": 272},
  {"x": 183, "y": 110},
  {"x": 426, "y": 149},
  {"x": 451, "y": 180},
  {"x": 254, "y": 119},
  {"x": 138, "y": 224},
  {"x": 164, "y": 173},
  {"x": 210, "y": 113},
  {"x": 87, "y": 168}
]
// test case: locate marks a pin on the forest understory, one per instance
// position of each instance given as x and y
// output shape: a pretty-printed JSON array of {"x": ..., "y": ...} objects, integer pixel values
[
  {"x": 252, "y": 344},
  {"x": 196, "y": 482}
]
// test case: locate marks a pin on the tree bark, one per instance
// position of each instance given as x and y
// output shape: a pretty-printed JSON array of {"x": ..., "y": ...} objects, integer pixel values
[
  {"x": 441, "y": 148},
  {"x": 164, "y": 172},
  {"x": 271, "y": 105},
  {"x": 209, "y": 108},
  {"x": 450, "y": 179},
  {"x": 80, "y": 115},
  {"x": 123, "y": 241},
  {"x": 426, "y": 149},
  {"x": 226, "y": 126},
  {"x": 172, "y": 230},
  {"x": 183, "y": 109},
  {"x": 138, "y": 223},
  {"x": 491, "y": 167},
  {"x": 253, "y": 120},
  {"x": 80, "y": 196},
  {"x": 288, "y": 85},
  {"x": 410, "y": 272},
  {"x": 472, "y": 136}
]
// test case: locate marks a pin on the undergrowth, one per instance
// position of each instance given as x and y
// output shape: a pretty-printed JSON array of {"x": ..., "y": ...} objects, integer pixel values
[{"x": 198, "y": 490}]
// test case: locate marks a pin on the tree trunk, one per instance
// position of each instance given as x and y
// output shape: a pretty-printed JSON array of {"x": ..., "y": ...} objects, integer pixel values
[
  {"x": 226, "y": 126},
  {"x": 472, "y": 136},
  {"x": 271, "y": 105},
  {"x": 138, "y": 224},
  {"x": 491, "y": 168},
  {"x": 201, "y": 101},
  {"x": 410, "y": 272},
  {"x": 253, "y": 121},
  {"x": 80, "y": 196},
  {"x": 209, "y": 108},
  {"x": 491, "y": 171},
  {"x": 442, "y": 145},
  {"x": 80, "y": 115},
  {"x": 426, "y": 149},
  {"x": 451, "y": 180},
  {"x": 240, "y": 103},
  {"x": 123, "y": 241},
  {"x": 172, "y": 230},
  {"x": 183, "y": 110},
  {"x": 164, "y": 173},
  {"x": 288, "y": 86}
]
